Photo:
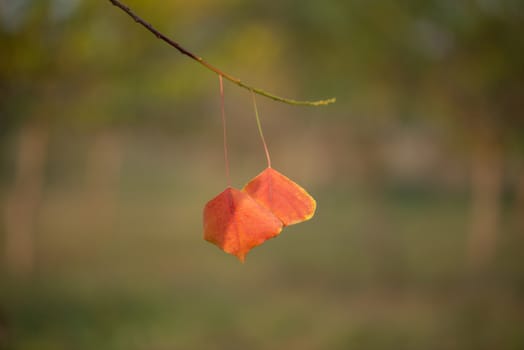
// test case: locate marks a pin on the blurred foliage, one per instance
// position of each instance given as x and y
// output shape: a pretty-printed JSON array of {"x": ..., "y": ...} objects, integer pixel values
[
  {"x": 122, "y": 265},
  {"x": 461, "y": 60}
]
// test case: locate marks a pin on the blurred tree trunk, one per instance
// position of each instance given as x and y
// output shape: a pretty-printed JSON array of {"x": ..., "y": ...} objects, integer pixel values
[
  {"x": 519, "y": 206},
  {"x": 377, "y": 226},
  {"x": 486, "y": 191},
  {"x": 24, "y": 198},
  {"x": 104, "y": 162}
]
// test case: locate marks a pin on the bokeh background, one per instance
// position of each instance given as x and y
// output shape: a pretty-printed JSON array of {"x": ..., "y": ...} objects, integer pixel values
[{"x": 110, "y": 145}]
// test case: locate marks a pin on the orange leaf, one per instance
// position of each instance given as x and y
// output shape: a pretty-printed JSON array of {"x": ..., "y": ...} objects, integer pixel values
[
  {"x": 236, "y": 223},
  {"x": 286, "y": 199}
]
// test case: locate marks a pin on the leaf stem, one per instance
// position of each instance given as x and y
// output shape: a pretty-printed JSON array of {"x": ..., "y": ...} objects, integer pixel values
[
  {"x": 209, "y": 66},
  {"x": 261, "y": 133},
  {"x": 224, "y": 129}
]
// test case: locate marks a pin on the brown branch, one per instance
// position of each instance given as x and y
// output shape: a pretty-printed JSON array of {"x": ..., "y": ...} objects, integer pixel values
[{"x": 209, "y": 66}]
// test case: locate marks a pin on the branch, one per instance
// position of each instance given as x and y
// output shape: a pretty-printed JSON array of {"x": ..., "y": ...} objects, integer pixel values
[{"x": 213, "y": 68}]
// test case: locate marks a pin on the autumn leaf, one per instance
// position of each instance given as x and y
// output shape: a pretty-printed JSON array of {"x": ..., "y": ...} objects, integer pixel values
[
  {"x": 236, "y": 223},
  {"x": 283, "y": 197}
]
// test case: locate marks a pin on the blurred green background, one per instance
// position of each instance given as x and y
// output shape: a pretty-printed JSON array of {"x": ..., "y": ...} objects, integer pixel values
[{"x": 110, "y": 145}]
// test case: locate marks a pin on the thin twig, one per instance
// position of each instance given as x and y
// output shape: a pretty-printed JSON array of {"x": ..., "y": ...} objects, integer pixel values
[{"x": 209, "y": 66}]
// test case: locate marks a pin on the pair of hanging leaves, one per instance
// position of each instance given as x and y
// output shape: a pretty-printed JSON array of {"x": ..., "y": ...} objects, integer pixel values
[{"x": 237, "y": 221}]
